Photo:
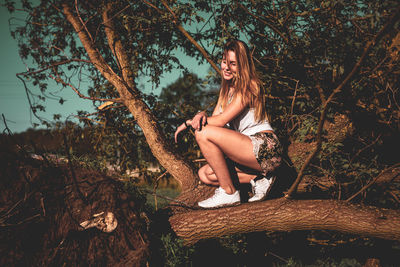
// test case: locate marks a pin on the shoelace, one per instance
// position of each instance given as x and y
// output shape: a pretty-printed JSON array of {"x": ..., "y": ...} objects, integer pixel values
[
  {"x": 216, "y": 193},
  {"x": 257, "y": 190}
]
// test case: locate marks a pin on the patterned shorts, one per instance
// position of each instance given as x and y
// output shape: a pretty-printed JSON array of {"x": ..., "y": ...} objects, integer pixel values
[{"x": 268, "y": 151}]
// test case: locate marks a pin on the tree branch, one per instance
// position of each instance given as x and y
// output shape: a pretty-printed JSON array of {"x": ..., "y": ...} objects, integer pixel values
[
  {"x": 171, "y": 161},
  {"x": 288, "y": 215},
  {"x": 84, "y": 24},
  {"x": 60, "y": 80},
  {"x": 272, "y": 27},
  {"x": 188, "y": 36},
  {"x": 355, "y": 69},
  {"x": 95, "y": 57},
  {"x": 381, "y": 176},
  {"x": 52, "y": 65},
  {"x": 115, "y": 44}
]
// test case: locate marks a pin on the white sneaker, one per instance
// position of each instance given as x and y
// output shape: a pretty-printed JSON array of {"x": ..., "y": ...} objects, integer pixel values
[
  {"x": 261, "y": 188},
  {"x": 220, "y": 199}
]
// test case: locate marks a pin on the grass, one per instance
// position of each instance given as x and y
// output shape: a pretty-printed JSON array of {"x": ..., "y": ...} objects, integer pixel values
[{"x": 163, "y": 195}]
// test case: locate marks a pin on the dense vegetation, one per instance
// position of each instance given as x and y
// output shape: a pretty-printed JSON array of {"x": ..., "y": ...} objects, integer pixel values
[{"x": 331, "y": 70}]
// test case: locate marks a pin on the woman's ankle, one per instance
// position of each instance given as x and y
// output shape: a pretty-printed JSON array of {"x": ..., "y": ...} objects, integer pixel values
[{"x": 229, "y": 189}]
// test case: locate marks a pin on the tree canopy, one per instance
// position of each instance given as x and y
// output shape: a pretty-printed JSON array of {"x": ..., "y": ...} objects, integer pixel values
[{"x": 331, "y": 70}]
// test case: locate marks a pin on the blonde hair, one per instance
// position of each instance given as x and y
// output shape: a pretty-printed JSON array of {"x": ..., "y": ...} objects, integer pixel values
[{"x": 246, "y": 83}]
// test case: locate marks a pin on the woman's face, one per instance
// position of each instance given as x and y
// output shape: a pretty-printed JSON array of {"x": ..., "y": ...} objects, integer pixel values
[{"x": 229, "y": 66}]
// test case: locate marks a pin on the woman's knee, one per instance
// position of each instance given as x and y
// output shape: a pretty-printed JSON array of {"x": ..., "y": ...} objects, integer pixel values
[
  {"x": 202, "y": 135},
  {"x": 199, "y": 136}
]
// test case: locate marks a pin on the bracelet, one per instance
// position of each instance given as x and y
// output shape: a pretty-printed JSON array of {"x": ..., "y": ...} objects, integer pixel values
[{"x": 186, "y": 124}]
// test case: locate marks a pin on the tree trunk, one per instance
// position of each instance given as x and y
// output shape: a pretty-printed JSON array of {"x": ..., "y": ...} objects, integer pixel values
[
  {"x": 125, "y": 85},
  {"x": 288, "y": 215}
]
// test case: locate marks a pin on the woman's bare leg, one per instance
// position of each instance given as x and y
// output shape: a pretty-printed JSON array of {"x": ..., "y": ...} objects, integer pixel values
[
  {"x": 208, "y": 176},
  {"x": 216, "y": 142}
]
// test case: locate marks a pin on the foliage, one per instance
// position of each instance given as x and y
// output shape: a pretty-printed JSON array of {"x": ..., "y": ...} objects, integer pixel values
[
  {"x": 174, "y": 252},
  {"x": 304, "y": 50}
]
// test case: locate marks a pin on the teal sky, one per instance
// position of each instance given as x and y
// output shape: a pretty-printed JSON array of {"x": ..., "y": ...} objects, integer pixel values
[{"x": 13, "y": 100}]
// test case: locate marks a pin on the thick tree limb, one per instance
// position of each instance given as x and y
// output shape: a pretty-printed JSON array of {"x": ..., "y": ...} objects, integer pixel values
[
  {"x": 115, "y": 44},
  {"x": 95, "y": 57},
  {"x": 288, "y": 215},
  {"x": 130, "y": 96}
]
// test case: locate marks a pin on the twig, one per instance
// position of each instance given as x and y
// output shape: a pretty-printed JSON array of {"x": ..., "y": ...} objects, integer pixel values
[
  {"x": 60, "y": 80},
  {"x": 355, "y": 69},
  {"x": 55, "y": 64},
  {"x": 364, "y": 148},
  {"x": 365, "y": 187},
  {"x": 5, "y": 125},
  {"x": 277, "y": 256},
  {"x": 72, "y": 169},
  {"x": 293, "y": 101},
  {"x": 185, "y": 33},
  {"x": 80, "y": 18},
  {"x": 56, "y": 250},
  {"x": 29, "y": 99},
  {"x": 155, "y": 188},
  {"x": 42, "y": 205},
  {"x": 394, "y": 196},
  {"x": 21, "y": 222},
  {"x": 272, "y": 27}
]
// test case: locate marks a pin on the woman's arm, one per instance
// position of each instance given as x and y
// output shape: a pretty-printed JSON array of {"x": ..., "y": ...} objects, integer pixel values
[
  {"x": 218, "y": 118},
  {"x": 231, "y": 111},
  {"x": 216, "y": 110},
  {"x": 200, "y": 119}
]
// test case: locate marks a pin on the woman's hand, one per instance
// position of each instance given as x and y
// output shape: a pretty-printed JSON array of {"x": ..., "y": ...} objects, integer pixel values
[
  {"x": 181, "y": 128},
  {"x": 199, "y": 120}
]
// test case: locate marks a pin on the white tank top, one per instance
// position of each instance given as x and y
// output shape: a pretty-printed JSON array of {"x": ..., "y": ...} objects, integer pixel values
[{"x": 246, "y": 124}]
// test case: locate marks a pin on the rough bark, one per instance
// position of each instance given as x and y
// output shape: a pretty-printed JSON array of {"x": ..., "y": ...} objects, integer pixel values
[
  {"x": 288, "y": 215},
  {"x": 125, "y": 85}
]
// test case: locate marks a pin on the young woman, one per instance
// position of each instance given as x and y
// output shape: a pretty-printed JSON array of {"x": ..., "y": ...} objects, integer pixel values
[{"x": 239, "y": 130}]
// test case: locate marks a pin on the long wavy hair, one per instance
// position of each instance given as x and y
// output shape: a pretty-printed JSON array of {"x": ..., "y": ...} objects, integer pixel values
[{"x": 245, "y": 82}]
